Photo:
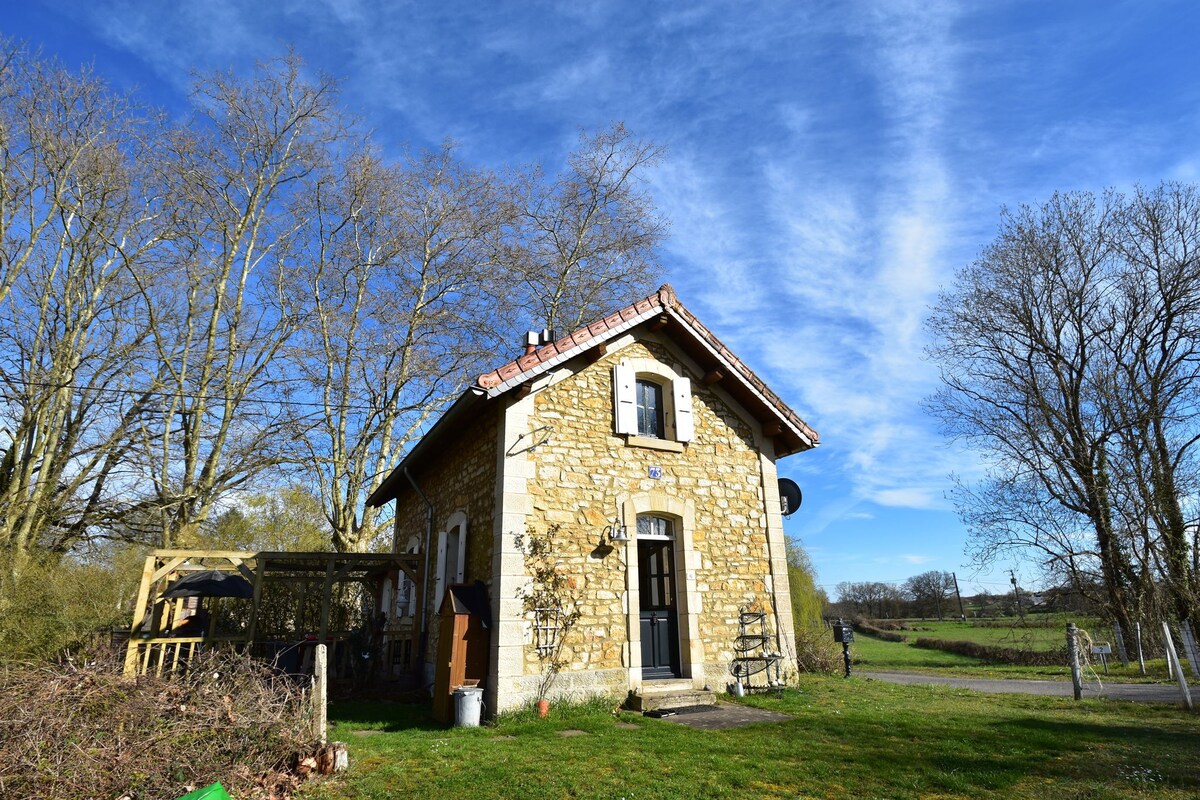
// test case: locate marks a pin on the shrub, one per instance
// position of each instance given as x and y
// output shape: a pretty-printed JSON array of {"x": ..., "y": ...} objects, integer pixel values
[
  {"x": 57, "y": 605},
  {"x": 816, "y": 651},
  {"x": 870, "y": 630},
  {"x": 74, "y": 732},
  {"x": 885, "y": 625},
  {"x": 996, "y": 655}
]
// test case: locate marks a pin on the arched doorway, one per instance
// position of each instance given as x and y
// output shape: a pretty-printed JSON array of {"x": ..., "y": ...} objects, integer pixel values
[{"x": 658, "y": 597}]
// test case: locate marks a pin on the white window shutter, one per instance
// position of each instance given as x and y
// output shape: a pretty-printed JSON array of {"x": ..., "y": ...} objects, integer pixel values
[
  {"x": 439, "y": 587},
  {"x": 625, "y": 399},
  {"x": 685, "y": 427}
]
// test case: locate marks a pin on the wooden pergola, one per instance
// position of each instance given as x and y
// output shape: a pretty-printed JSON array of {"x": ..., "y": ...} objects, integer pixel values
[{"x": 300, "y": 587}]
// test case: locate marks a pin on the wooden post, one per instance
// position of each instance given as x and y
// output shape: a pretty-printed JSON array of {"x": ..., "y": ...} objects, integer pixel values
[
  {"x": 320, "y": 693},
  {"x": 1189, "y": 647},
  {"x": 1137, "y": 629},
  {"x": 326, "y": 591},
  {"x": 260, "y": 568},
  {"x": 1121, "y": 652},
  {"x": 1173, "y": 659},
  {"x": 139, "y": 618},
  {"x": 1073, "y": 657},
  {"x": 962, "y": 615}
]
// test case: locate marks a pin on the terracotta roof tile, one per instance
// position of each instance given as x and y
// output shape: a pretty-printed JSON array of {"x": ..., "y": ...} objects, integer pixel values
[
  {"x": 527, "y": 366},
  {"x": 575, "y": 340}
]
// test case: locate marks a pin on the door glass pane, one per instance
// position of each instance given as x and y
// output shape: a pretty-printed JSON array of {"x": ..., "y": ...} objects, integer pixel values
[
  {"x": 656, "y": 581},
  {"x": 653, "y": 528}
]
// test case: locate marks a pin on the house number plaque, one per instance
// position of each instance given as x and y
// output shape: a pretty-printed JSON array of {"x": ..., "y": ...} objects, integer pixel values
[{"x": 656, "y": 473}]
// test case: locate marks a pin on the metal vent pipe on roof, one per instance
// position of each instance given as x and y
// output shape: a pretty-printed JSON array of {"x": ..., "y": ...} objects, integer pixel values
[{"x": 536, "y": 339}]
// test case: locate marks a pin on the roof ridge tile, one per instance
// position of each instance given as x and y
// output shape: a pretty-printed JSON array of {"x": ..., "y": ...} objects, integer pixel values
[{"x": 666, "y": 299}]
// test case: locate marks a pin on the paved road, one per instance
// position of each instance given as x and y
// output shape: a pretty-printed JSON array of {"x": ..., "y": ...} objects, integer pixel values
[{"x": 1140, "y": 692}]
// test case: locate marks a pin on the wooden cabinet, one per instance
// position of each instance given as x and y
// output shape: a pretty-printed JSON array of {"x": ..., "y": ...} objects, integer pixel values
[{"x": 464, "y": 641}]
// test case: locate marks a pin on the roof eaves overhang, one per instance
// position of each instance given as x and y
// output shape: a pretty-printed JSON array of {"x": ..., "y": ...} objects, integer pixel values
[
  {"x": 516, "y": 373},
  {"x": 393, "y": 484},
  {"x": 560, "y": 356},
  {"x": 688, "y": 323}
]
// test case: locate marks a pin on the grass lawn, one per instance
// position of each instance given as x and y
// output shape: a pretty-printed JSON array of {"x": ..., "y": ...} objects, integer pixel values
[
  {"x": 870, "y": 653},
  {"x": 856, "y": 738},
  {"x": 1015, "y": 636}
]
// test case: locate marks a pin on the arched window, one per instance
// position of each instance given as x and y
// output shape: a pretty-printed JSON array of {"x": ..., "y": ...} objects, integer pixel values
[{"x": 406, "y": 591}]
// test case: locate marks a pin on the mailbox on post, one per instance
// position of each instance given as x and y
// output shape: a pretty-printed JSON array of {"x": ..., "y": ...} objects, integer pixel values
[{"x": 843, "y": 634}]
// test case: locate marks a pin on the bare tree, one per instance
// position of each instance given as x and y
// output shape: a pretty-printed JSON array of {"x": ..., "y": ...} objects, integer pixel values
[
  {"x": 930, "y": 589},
  {"x": 874, "y": 598},
  {"x": 253, "y": 294},
  {"x": 79, "y": 214},
  {"x": 1154, "y": 398},
  {"x": 423, "y": 271},
  {"x": 1069, "y": 353},
  {"x": 394, "y": 289},
  {"x": 220, "y": 314},
  {"x": 1019, "y": 338},
  {"x": 585, "y": 241}
]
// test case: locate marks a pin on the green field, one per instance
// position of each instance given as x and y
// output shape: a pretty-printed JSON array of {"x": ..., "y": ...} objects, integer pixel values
[
  {"x": 1004, "y": 632},
  {"x": 848, "y": 738},
  {"x": 870, "y": 653}
]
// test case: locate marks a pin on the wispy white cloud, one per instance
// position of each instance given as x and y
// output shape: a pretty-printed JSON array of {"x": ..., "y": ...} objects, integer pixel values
[
  {"x": 860, "y": 259},
  {"x": 714, "y": 256},
  {"x": 174, "y": 41},
  {"x": 827, "y": 169}
]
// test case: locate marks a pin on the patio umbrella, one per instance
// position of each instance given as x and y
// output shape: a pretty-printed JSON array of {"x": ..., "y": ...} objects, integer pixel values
[{"x": 210, "y": 583}]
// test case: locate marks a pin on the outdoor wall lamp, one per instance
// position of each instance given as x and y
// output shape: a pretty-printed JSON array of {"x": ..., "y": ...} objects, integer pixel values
[
  {"x": 616, "y": 532},
  {"x": 613, "y": 532}
]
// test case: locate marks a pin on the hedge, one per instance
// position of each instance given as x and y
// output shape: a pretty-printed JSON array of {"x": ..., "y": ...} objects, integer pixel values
[{"x": 996, "y": 655}]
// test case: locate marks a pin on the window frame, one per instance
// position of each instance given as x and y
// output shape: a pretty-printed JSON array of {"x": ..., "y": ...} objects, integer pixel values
[
  {"x": 677, "y": 425},
  {"x": 404, "y": 604},
  {"x": 651, "y": 421}
]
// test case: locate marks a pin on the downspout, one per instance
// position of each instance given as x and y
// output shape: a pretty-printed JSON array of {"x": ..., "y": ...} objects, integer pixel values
[{"x": 423, "y": 641}]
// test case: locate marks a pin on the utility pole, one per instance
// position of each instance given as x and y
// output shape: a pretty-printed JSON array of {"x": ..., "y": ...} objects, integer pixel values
[
  {"x": 1017, "y": 592},
  {"x": 962, "y": 615}
]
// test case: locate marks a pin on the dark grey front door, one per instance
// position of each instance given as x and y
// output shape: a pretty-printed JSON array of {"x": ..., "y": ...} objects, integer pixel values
[{"x": 660, "y": 626}]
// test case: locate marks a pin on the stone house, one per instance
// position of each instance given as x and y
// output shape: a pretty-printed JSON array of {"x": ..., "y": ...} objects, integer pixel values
[{"x": 652, "y": 448}]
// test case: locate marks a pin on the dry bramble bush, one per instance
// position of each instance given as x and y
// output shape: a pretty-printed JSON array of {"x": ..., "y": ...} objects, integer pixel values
[{"x": 73, "y": 732}]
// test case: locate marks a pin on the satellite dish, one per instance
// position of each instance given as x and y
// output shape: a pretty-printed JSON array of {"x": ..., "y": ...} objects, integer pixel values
[{"x": 790, "y": 496}]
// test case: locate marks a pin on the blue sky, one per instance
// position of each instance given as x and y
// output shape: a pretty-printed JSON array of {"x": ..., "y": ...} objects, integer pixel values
[{"x": 829, "y": 166}]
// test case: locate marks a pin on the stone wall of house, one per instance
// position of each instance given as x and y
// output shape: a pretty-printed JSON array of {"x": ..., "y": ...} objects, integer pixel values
[
  {"x": 459, "y": 477},
  {"x": 585, "y": 472}
]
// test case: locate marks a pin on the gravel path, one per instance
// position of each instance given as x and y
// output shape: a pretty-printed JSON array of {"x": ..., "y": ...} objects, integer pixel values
[{"x": 1140, "y": 692}]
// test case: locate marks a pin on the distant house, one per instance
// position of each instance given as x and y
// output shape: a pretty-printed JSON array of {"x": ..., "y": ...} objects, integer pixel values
[{"x": 642, "y": 424}]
